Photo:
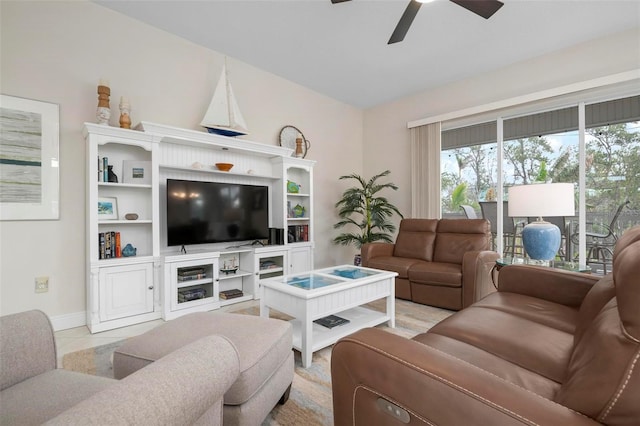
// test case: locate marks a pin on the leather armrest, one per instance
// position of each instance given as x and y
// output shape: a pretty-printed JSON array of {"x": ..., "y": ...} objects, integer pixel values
[
  {"x": 431, "y": 386},
  {"x": 371, "y": 250},
  {"x": 555, "y": 285},
  {"x": 477, "y": 267}
]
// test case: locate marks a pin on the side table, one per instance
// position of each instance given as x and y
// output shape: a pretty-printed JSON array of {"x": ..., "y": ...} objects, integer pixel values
[{"x": 556, "y": 264}]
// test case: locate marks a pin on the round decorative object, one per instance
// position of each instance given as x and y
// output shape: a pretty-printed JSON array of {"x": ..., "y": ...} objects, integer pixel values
[
  {"x": 131, "y": 216},
  {"x": 288, "y": 136},
  {"x": 225, "y": 167},
  {"x": 129, "y": 250},
  {"x": 292, "y": 187},
  {"x": 299, "y": 211},
  {"x": 541, "y": 240}
]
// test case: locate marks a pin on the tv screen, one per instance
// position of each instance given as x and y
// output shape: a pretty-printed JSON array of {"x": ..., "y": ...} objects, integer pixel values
[{"x": 212, "y": 212}]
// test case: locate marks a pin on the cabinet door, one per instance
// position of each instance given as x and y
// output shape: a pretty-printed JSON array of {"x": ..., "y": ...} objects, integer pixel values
[
  {"x": 300, "y": 260},
  {"x": 126, "y": 291},
  {"x": 271, "y": 264},
  {"x": 193, "y": 283}
]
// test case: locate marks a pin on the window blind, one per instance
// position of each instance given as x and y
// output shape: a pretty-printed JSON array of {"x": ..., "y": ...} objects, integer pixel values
[{"x": 615, "y": 111}]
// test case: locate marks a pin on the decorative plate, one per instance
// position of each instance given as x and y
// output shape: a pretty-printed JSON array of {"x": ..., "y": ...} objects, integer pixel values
[{"x": 288, "y": 135}]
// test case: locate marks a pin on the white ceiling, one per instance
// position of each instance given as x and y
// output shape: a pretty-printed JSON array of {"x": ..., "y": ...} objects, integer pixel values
[{"x": 341, "y": 50}]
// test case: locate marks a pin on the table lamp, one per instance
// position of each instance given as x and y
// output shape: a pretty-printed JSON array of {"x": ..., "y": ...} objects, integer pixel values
[{"x": 541, "y": 239}]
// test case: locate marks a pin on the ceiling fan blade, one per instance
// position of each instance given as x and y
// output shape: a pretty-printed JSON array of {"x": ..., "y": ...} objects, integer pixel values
[
  {"x": 405, "y": 22},
  {"x": 338, "y": 1},
  {"x": 484, "y": 8}
]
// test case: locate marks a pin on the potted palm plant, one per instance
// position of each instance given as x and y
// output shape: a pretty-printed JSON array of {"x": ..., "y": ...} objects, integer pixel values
[{"x": 362, "y": 208}]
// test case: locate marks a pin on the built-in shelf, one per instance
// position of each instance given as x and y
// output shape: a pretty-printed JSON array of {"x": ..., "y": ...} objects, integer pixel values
[
  {"x": 127, "y": 290},
  {"x": 191, "y": 283},
  {"x": 125, "y": 260},
  {"x": 224, "y": 302},
  {"x": 271, "y": 270},
  {"x": 123, "y": 185},
  {"x": 238, "y": 274},
  {"x": 123, "y": 222},
  {"x": 213, "y": 171},
  {"x": 295, "y": 194},
  {"x": 175, "y": 135}
]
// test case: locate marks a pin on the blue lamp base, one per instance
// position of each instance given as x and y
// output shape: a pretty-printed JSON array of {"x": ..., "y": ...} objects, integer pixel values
[{"x": 541, "y": 240}]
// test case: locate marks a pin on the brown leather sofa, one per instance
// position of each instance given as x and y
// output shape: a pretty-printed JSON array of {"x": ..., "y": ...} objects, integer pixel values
[
  {"x": 444, "y": 263},
  {"x": 550, "y": 347}
]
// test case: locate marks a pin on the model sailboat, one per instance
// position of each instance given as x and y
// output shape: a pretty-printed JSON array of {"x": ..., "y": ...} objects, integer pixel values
[{"x": 223, "y": 116}]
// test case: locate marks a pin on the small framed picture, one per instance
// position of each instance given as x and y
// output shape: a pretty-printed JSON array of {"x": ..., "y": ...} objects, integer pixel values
[
  {"x": 138, "y": 172},
  {"x": 107, "y": 208}
]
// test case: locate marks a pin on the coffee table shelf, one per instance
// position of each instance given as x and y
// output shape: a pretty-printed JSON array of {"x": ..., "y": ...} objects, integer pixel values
[
  {"x": 359, "y": 318},
  {"x": 340, "y": 291}
]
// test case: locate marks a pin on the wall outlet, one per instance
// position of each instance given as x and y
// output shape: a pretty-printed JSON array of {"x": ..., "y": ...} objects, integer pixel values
[{"x": 42, "y": 284}]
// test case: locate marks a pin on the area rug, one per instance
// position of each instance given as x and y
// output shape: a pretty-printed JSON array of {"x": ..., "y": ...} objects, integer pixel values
[{"x": 310, "y": 400}]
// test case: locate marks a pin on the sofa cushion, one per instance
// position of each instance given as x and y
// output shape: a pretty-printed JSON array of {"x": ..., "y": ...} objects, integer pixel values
[
  {"x": 263, "y": 344},
  {"x": 40, "y": 398},
  {"x": 416, "y": 238},
  {"x": 456, "y": 237},
  {"x": 487, "y": 361},
  {"x": 509, "y": 337},
  {"x": 400, "y": 265},
  {"x": 537, "y": 310},
  {"x": 436, "y": 273}
]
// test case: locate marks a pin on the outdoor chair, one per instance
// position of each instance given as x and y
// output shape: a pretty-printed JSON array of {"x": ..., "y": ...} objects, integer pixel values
[
  {"x": 510, "y": 230},
  {"x": 601, "y": 238},
  {"x": 469, "y": 211}
]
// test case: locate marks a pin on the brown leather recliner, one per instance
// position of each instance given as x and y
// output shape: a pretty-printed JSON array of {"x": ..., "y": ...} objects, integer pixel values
[
  {"x": 444, "y": 263},
  {"x": 551, "y": 347}
]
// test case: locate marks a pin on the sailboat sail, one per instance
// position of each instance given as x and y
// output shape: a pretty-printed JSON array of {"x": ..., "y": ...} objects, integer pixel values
[{"x": 223, "y": 116}]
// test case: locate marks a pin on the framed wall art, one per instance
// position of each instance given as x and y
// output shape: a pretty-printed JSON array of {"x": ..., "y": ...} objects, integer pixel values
[
  {"x": 29, "y": 162},
  {"x": 107, "y": 208},
  {"x": 138, "y": 172}
]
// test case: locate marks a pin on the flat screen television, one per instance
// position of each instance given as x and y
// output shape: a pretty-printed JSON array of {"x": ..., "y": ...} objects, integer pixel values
[{"x": 213, "y": 212}]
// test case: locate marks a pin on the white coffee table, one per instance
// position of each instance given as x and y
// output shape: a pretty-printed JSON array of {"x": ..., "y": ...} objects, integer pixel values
[{"x": 339, "y": 290}]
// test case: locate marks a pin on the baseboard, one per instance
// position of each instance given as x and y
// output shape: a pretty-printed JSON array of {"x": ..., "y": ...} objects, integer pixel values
[{"x": 63, "y": 322}]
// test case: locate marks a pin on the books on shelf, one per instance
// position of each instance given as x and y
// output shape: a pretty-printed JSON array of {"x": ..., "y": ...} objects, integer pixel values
[
  {"x": 188, "y": 274},
  {"x": 331, "y": 321},
  {"x": 298, "y": 233},
  {"x": 109, "y": 246},
  {"x": 231, "y": 294},
  {"x": 192, "y": 277},
  {"x": 268, "y": 264},
  {"x": 190, "y": 294},
  {"x": 103, "y": 169}
]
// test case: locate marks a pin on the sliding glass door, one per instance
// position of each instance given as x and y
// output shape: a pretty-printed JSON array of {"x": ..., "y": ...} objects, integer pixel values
[
  {"x": 545, "y": 147},
  {"x": 612, "y": 188}
]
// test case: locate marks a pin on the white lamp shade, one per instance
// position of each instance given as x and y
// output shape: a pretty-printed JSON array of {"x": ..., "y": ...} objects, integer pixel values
[
  {"x": 542, "y": 200},
  {"x": 541, "y": 240}
]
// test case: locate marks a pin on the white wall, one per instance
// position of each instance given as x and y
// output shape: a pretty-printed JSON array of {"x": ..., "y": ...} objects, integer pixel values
[
  {"x": 57, "y": 51},
  {"x": 385, "y": 126}
]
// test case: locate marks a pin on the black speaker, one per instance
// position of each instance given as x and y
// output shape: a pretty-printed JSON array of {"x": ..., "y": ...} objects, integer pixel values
[{"x": 276, "y": 236}]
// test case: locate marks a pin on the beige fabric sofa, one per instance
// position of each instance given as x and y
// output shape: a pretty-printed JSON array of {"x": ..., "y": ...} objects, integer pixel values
[
  {"x": 183, "y": 388},
  {"x": 264, "y": 348}
]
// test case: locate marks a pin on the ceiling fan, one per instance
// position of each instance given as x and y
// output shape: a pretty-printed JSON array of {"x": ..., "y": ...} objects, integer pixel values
[{"x": 484, "y": 8}]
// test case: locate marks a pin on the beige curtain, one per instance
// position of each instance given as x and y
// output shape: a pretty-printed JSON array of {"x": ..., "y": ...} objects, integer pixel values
[{"x": 425, "y": 171}]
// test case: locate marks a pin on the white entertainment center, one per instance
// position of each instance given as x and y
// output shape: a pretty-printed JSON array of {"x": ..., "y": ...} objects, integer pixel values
[{"x": 162, "y": 281}]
